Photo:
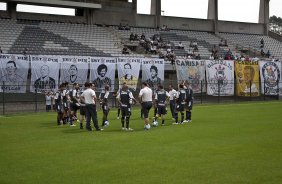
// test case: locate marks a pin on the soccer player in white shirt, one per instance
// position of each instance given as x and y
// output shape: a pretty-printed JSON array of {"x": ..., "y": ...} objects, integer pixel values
[{"x": 145, "y": 98}]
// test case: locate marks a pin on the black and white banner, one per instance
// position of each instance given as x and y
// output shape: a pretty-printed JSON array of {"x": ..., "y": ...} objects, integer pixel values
[
  {"x": 44, "y": 73},
  {"x": 13, "y": 73},
  {"x": 74, "y": 69},
  {"x": 128, "y": 71},
  {"x": 153, "y": 71},
  {"x": 102, "y": 72},
  {"x": 270, "y": 77},
  {"x": 220, "y": 77},
  {"x": 192, "y": 71}
]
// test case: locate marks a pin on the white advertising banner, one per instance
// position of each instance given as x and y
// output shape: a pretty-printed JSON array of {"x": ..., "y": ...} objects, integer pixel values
[
  {"x": 220, "y": 77},
  {"x": 102, "y": 72},
  {"x": 13, "y": 73},
  {"x": 74, "y": 69},
  {"x": 44, "y": 73},
  {"x": 153, "y": 71},
  {"x": 270, "y": 77},
  {"x": 128, "y": 71},
  {"x": 193, "y": 71}
]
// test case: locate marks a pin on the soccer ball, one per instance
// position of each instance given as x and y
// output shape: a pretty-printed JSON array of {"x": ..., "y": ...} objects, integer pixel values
[
  {"x": 106, "y": 123},
  {"x": 147, "y": 127},
  {"x": 155, "y": 124}
]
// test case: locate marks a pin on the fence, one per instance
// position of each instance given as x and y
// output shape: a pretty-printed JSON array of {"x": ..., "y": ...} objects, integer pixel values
[{"x": 13, "y": 103}]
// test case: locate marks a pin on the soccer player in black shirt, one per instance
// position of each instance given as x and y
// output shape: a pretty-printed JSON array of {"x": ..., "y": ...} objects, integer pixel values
[
  {"x": 161, "y": 97},
  {"x": 125, "y": 99},
  {"x": 189, "y": 102},
  {"x": 180, "y": 104},
  {"x": 104, "y": 95}
]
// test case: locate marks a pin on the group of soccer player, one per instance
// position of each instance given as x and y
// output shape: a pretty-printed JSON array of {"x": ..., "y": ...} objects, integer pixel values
[{"x": 69, "y": 100}]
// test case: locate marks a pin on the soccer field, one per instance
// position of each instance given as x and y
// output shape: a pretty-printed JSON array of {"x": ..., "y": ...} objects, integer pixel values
[{"x": 225, "y": 143}]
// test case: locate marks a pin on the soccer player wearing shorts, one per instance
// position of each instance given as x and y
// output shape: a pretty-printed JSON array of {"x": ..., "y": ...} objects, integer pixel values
[
  {"x": 145, "y": 98},
  {"x": 74, "y": 105},
  {"x": 104, "y": 95},
  {"x": 59, "y": 104},
  {"x": 189, "y": 102},
  {"x": 161, "y": 97},
  {"x": 180, "y": 104},
  {"x": 125, "y": 99}
]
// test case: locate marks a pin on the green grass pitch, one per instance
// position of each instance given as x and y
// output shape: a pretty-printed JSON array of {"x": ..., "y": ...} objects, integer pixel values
[{"x": 225, "y": 143}]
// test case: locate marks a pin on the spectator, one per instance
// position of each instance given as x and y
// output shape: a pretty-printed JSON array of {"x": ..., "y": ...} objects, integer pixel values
[
  {"x": 131, "y": 37},
  {"x": 262, "y": 43},
  {"x": 1, "y": 50},
  {"x": 211, "y": 57},
  {"x": 25, "y": 51},
  {"x": 48, "y": 100},
  {"x": 268, "y": 54},
  {"x": 198, "y": 57},
  {"x": 136, "y": 37},
  {"x": 221, "y": 43},
  {"x": 125, "y": 50},
  {"x": 127, "y": 27},
  {"x": 143, "y": 37},
  {"x": 262, "y": 53},
  {"x": 180, "y": 45}
]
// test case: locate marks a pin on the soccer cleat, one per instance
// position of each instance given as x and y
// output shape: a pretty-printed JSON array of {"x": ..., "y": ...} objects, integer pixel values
[
  {"x": 129, "y": 129},
  {"x": 99, "y": 129},
  {"x": 175, "y": 123},
  {"x": 123, "y": 128},
  {"x": 89, "y": 129},
  {"x": 72, "y": 125},
  {"x": 185, "y": 121},
  {"x": 118, "y": 117}
]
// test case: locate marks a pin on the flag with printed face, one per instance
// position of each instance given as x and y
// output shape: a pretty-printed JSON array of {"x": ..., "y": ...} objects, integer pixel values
[
  {"x": 13, "y": 73},
  {"x": 247, "y": 78},
  {"x": 270, "y": 73},
  {"x": 192, "y": 71},
  {"x": 74, "y": 69},
  {"x": 102, "y": 72},
  {"x": 44, "y": 73},
  {"x": 128, "y": 71},
  {"x": 153, "y": 72},
  {"x": 220, "y": 77}
]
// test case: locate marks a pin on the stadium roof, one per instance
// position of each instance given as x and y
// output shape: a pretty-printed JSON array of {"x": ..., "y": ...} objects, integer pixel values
[{"x": 60, "y": 3}]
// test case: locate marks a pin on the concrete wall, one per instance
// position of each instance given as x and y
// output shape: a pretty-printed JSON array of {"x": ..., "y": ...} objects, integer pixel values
[
  {"x": 187, "y": 23},
  {"x": 143, "y": 20},
  {"x": 240, "y": 27}
]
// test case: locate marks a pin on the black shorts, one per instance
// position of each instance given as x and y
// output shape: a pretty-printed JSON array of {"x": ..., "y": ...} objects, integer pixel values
[
  {"x": 48, "y": 107},
  {"x": 189, "y": 105},
  {"x": 74, "y": 107},
  {"x": 146, "y": 106},
  {"x": 125, "y": 111},
  {"x": 82, "y": 110},
  {"x": 180, "y": 107},
  {"x": 66, "y": 106},
  {"x": 60, "y": 108},
  {"x": 161, "y": 110}
]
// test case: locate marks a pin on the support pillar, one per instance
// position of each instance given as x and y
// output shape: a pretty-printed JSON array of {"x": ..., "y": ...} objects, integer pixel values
[
  {"x": 156, "y": 10},
  {"x": 213, "y": 13},
  {"x": 264, "y": 14},
  {"x": 12, "y": 9}
]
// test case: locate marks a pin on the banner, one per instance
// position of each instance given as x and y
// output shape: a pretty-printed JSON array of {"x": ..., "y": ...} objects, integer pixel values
[
  {"x": 192, "y": 71},
  {"x": 220, "y": 77},
  {"x": 44, "y": 73},
  {"x": 128, "y": 71},
  {"x": 74, "y": 69},
  {"x": 270, "y": 72},
  {"x": 247, "y": 78},
  {"x": 153, "y": 72},
  {"x": 102, "y": 72},
  {"x": 13, "y": 73}
]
